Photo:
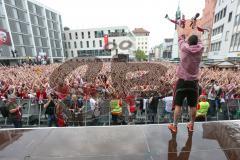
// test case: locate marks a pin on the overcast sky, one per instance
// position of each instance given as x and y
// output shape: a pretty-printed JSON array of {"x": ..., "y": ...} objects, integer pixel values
[{"x": 149, "y": 14}]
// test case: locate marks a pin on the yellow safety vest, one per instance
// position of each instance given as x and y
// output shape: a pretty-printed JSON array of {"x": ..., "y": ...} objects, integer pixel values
[
  {"x": 116, "y": 109},
  {"x": 204, "y": 106}
]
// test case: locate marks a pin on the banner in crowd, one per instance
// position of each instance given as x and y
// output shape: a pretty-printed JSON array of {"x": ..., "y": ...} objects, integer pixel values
[{"x": 4, "y": 38}]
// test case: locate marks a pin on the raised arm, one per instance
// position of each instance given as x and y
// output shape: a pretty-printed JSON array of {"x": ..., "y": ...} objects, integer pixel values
[{"x": 181, "y": 41}]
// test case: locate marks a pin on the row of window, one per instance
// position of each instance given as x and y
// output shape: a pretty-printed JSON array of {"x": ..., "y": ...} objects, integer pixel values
[
  {"x": 82, "y": 53},
  {"x": 33, "y": 8},
  {"x": 18, "y": 3},
  {"x": 19, "y": 27},
  {"x": 22, "y": 39},
  {"x": 68, "y": 45},
  {"x": 142, "y": 48},
  {"x": 220, "y": 15},
  {"x": 97, "y": 34},
  {"x": 142, "y": 43},
  {"x": 20, "y": 15},
  {"x": 216, "y": 46},
  {"x": 88, "y": 53},
  {"x": 218, "y": 30},
  {"x": 16, "y": 14},
  {"x": 235, "y": 42}
]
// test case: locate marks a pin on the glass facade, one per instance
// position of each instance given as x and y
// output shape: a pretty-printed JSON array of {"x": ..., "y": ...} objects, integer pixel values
[{"x": 33, "y": 28}]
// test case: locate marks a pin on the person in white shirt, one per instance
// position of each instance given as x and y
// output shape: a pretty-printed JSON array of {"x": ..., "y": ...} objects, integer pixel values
[
  {"x": 92, "y": 103},
  {"x": 168, "y": 103}
]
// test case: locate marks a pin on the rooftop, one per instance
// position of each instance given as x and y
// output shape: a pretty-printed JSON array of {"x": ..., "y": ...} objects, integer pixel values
[{"x": 140, "y": 30}]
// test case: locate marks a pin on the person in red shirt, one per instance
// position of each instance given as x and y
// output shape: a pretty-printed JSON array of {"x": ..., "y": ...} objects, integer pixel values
[
  {"x": 41, "y": 94},
  {"x": 130, "y": 100},
  {"x": 62, "y": 91}
]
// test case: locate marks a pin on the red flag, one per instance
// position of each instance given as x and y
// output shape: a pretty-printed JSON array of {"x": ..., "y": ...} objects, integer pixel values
[
  {"x": 5, "y": 38},
  {"x": 106, "y": 41}
]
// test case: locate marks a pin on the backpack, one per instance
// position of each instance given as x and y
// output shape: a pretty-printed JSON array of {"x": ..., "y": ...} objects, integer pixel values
[{"x": 4, "y": 110}]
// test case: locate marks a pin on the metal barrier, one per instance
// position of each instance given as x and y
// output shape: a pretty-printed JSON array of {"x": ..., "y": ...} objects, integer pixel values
[{"x": 33, "y": 114}]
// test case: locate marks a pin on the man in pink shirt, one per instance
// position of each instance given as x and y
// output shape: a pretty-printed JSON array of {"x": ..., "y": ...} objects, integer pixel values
[{"x": 187, "y": 72}]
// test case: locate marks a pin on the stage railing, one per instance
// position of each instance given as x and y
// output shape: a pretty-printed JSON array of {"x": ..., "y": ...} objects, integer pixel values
[{"x": 33, "y": 114}]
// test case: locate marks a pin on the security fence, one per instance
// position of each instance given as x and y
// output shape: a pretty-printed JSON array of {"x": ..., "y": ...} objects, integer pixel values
[{"x": 33, "y": 114}]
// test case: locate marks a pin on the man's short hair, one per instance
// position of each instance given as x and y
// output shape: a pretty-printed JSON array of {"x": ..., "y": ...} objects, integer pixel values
[{"x": 193, "y": 40}]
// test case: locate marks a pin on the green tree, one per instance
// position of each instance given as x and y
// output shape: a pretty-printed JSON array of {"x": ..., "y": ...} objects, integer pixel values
[{"x": 140, "y": 55}]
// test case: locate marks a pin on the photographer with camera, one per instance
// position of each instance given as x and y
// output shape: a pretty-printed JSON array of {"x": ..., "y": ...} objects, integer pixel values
[{"x": 50, "y": 107}]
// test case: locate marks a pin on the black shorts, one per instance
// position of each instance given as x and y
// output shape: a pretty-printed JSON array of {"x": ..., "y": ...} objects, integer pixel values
[{"x": 186, "y": 89}]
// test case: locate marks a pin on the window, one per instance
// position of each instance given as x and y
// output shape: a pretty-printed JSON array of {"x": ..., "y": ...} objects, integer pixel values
[
  {"x": 224, "y": 11},
  {"x": 218, "y": 30},
  {"x": 66, "y": 54},
  {"x": 238, "y": 43},
  {"x": 89, "y": 35},
  {"x": 75, "y": 44},
  {"x": 100, "y": 43},
  {"x": 95, "y": 34},
  {"x": 94, "y": 45},
  {"x": 81, "y": 44},
  {"x": 226, "y": 36},
  {"x": 69, "y": 45},
  {"x": 87, "y": 44},
  {"x": 221, "y": 29},
  {"x": 216, "y": 46},
  {"x": 72, "y": 54},
  {"x": 64, "y": 36},
  {"x": 65, "y": 45},
  {"x": 70, "y": 36},
  {"x": 232, "y": 40},
  {"x": 221, "y": 14},
  {"x": 82, "y": 35},
  {"x": 219, "y": 46},
  {"x": 230, "y": 17},
  {"x": 238, "y": 19},
  {"x": 236, "y": 40},
  {"x": 114, "y": 41},
  {"x": 76, "y": 35}
]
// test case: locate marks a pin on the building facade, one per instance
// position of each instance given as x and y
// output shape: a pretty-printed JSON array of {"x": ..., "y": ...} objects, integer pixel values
[
  {"x": 207, "y": 22},
  {"x": 142, "y": 39},
  {"x": 34, "y": 29},
  {"x": 225, "y": 43},
  {"x": 167, "y": 49},
  {"x": 92, "y": 42}
]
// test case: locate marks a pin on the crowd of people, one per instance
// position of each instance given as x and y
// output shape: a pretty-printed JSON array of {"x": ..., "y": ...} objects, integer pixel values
[{"x": 33, "y": 82}]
